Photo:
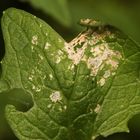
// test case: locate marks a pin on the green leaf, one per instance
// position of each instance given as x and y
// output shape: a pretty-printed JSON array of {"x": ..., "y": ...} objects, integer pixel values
[
  {"x": 57, "y": 9},
  {"x": 80, "y": 90}
]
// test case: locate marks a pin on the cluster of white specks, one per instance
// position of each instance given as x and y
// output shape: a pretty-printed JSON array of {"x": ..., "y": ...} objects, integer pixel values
[
  {"x": 35, "y": 40},
  {"x": 103, "y": 57},
  {"x": 38, "y": 89},
  {"x": 98, "y": 38},
  {"x": 55, "y": 96},
  {"x": 60, "y": 52},
  {"x": 101, "y": 82},
  {"x": 97, "y": 109},
  {"x": 47, "y": 45},
  {"x": 107, "y": 74},
  {"x": 31, "y": 77},
  {"x": 51, "y": 76},
  {"x": 35, "y": 88},
  {"x": 76, "y": 55},
  {"x": 71, "y": 67},
  {"x": 59, "y": 56},
  {"x": 62, "y": 108}
]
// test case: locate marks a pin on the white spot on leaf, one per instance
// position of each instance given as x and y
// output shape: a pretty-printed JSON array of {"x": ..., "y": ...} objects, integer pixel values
[
  {"x": 31, "y": 78},
  {"x": 76, "y": 56},
  {"x": 49, "y": 106},
  {"x": 38, "y": 89},
  {"x": 101, "y": 82},
  {"x": 71, "y": 67},
  {"x": 33, "y": 87},
  {"x": 58, "y": 60},
  {"x": 35, "y": 40},
  {"x": 41, "y": 57},
  {"x": 93, "y": 48},
  {"x": 107, "y": 74},
  {"x": 55, "y": 96},
  {"x": 65, "y": 107},
  {"x": 47, "y": 45},
  {"x": 51, "y": 76},
  {"x": 97, "y": 109}
]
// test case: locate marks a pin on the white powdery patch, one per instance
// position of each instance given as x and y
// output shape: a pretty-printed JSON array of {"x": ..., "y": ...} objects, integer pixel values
[
  {"x": 103, "y": 58},
  {"x": 47, "y": 45},
  {"x": 103, "y": 55},
  {"x": 55, "y": 96},
  {"x": 34, "y": 40},
  {"x": 76, "y": 55},
  {"x": 97, "y": 38}
]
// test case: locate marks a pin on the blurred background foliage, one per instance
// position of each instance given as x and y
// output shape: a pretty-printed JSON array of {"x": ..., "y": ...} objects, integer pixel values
[{"x": 63, "y": 16}]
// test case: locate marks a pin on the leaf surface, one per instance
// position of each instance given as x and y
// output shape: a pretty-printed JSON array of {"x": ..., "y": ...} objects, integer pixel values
[{"x": 80, "y": 90}]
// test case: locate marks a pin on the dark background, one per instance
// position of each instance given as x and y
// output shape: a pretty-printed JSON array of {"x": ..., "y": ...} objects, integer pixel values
[{"x": 124, "y": 14}]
